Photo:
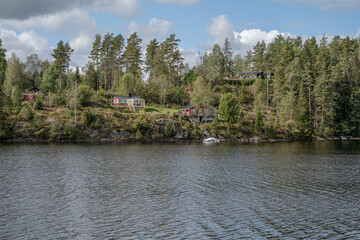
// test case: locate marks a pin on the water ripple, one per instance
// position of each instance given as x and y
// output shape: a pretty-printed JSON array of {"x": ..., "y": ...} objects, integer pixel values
[{"x": 180, "y": 191}]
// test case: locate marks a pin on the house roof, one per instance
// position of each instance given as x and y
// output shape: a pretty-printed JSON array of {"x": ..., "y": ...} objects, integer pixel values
[
  {"x": 191, "y": 106},
  {"x": 136, "y": 98},
  {"x": 187, "y": 107}
]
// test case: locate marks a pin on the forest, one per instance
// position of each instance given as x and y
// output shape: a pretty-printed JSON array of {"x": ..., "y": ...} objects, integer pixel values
[{"x": 309, "y": 87}]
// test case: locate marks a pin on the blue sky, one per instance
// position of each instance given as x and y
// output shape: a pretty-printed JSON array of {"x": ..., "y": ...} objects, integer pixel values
[{"x": 36, "y": 26}]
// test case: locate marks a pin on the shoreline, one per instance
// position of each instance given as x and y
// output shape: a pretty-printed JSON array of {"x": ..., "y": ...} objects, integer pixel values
[{"x": 172, "y": 140}]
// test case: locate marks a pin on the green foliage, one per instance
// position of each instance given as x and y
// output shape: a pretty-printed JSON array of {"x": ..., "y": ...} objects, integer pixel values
[
  {"x": 59, "y": 100},
  {"x": 84, "y": 94},
  {"x": 229, "y": 107},
  {"x": 140, "y": 125},
  {"x": 38, "y": 104},
  {"x": 3, "y": 63},
  {"x": 169, "y": 131},
  {"x": 27, "y": 112},
  {"x": 16, "y": 96},
  {"x": 48, "y": 84},
  {"x": 87, "y": 117},
  {"x": 13, "y": 74},
  {"x": 243, "y": 95},
  {"x": 259, "y": 124},
  {"x": 6, "y": 130},
  {"x": 202, "y": 94},
  {"x": 138, "y": 134},
  {"x": 127, "y": 85}
]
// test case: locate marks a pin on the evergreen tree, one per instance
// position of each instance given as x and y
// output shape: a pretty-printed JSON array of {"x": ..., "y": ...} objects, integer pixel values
[
  {"x": 132, "y": 56},
  {"x": 228, "y": 62},
  {"x": 48, "y": 83},
  {"x": 106, "y": 60},
  {"x": 95, "y": 56},
  {"x": 214, "y": 63},
  {"x": 2, "y": 63},
  {"x": 229, "y": 107},
  {"x": 62, "y": 55},
  {"x": 150, "y": 56}
]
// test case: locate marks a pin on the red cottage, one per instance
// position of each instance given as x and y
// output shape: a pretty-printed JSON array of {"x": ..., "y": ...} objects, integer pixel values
[
  {"x": 28, "y": 97},
  {"x": 200, "y": 114}
]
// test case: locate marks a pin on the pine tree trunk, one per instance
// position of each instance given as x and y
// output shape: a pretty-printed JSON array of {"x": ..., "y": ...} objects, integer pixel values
[
  {"x": 277, "y": 111},
  {"x": 60, "y": 83},
  {"x": 309, "y": 99},
  {"x": 267, "y": 91}
]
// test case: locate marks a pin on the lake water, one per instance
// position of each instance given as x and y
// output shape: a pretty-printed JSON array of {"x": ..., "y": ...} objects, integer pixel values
[{"x": 180, "y": 191}]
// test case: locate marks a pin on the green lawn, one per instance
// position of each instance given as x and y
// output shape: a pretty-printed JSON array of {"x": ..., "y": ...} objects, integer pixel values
[{"x": 162, "y": 110}]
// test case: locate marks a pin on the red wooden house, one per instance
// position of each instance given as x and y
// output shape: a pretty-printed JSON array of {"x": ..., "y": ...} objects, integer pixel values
[
  {"x": 200, "y": 114},
  {"x": 28, "y": 97}
]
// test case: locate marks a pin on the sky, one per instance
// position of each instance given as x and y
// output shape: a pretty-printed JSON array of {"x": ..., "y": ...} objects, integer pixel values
[{"x": 36, "y": 26}]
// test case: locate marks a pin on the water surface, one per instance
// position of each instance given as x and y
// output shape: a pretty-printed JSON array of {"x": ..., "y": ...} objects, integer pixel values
[{"x": 180, "y": 191}]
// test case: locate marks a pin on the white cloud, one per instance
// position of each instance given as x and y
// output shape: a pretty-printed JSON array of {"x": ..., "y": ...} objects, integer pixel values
[
  {"x": 71, "y": 21},
  {"x": 180, "y": 2},
  {"x": 82, "y": 46},
  {"x": 327, "y": 5},
  {"x": 156, "y": 28},
  {"x": 190, "y": 56},
  {"x": 24, "y": 44},
  {"x": 242, "y": 41},
  {"x": 358, "y": 33},
  {"x": 220, "y": 29}
]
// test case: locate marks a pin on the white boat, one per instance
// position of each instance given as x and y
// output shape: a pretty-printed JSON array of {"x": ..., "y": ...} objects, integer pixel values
[
  {"x": 343, "y": 138},
  {"x": 211, "y": 140}
]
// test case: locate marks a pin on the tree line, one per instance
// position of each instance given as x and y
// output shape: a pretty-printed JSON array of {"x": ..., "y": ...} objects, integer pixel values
[{"x": 311, "y": 87}]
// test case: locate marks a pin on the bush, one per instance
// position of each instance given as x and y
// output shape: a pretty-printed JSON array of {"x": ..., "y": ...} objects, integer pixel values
[
  {"x": 87, "y": 117},
  {"x": 59, "y": 100},
  {"x": 138, "y": 134},
  {"x": 27, "y": 112},
  {"x": 169, "y": 131},
  {"x": 38, "y": 104},
  {"x": 328, "y": 132},
  {"x": 84, "y": 95},
  {"x": 259, "y": 125},
  {"x": 50, "y": 100}
]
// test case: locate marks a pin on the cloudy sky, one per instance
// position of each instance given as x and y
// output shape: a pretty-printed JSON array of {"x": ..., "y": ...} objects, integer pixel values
[{"x": 36, "y": 26}]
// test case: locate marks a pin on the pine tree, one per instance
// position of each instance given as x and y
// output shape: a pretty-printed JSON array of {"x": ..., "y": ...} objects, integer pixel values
[
  {"x": 132, "y": 56},
  {"x": 61, "y": 54},
  {"x": 2, "y": 63},
  {"x": 95, "y": 56},
  {"x": 150, "y": 55},
  {"x": 106, "y": 59},
  {"x": 228, "y": 62}
]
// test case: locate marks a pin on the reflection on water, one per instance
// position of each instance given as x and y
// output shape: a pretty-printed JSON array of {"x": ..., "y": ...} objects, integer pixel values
[{"x": 180, "y": 191}]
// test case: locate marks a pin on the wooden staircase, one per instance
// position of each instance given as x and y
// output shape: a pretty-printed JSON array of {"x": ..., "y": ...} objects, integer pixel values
[
  {"x": 131, "y": 107},
  {"x": 193, "y": 120}
]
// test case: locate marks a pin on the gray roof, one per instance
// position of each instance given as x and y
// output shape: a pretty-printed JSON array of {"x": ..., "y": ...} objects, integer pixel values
[
  {"x": 186, "y": 107},
  {"x": 135, "y": 98}
]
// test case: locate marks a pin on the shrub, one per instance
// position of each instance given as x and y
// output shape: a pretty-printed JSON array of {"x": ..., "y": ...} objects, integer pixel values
[
  {"x": 38, "y": 104},
  {"x": 169, "y": 131},
  {"x": 84, "y": 95},
  {"x": 27, "y": 112},
  {"x": 328, "y": 132},
  {"x": 87, "y": 117},
  {"x": 259, "y": 125},
  {"x": 59, "y": 100},
  {"x": 138, "y": 134}
]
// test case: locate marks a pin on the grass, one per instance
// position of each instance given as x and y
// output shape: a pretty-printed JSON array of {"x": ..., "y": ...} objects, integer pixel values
[{"x": 163, "y": 110}]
